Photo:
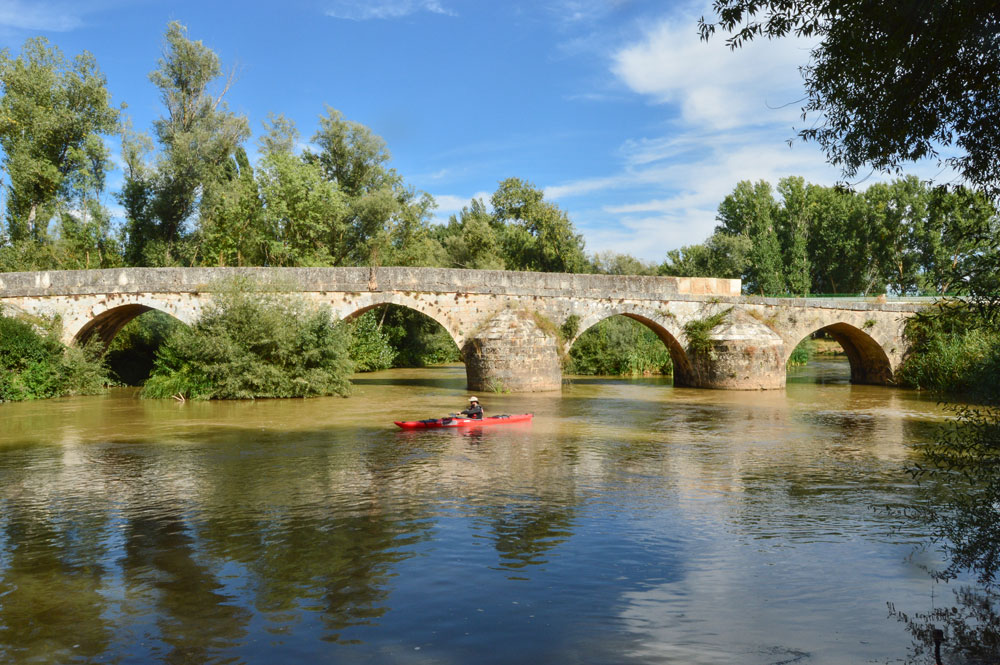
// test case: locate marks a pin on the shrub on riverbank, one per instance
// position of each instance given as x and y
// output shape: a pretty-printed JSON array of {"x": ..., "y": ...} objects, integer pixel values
[
  {"x": 619, "y": 346},
  {"x": 251, "y": 344},
  {"x": 951, "y": 351},
  {"x": 36, "y": 365}
]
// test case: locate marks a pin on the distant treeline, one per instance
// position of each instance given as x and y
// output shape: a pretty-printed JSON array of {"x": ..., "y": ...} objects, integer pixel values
[{"x": 903, "y": 237}]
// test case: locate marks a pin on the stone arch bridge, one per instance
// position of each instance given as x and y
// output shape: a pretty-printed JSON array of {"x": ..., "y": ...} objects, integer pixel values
[{"x": 511, "y": 327}]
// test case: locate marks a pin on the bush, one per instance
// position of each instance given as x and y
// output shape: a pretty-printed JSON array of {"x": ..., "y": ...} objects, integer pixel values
[
  {"x": 619, "y": 346},
  {"x": 951, "y": 351},
  {"x": 802, "y": 352},
  {"x": 250, "y": 344},
  {"x": 34, "y": 365},
  {"x": 370, "y": 348}
]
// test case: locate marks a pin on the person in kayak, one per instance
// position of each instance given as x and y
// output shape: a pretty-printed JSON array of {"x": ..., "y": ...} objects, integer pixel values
[{"x": 474, "y": 411}]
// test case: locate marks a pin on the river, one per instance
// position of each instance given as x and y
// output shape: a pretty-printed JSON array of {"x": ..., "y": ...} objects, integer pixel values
[{"x": 630, "y": 522}]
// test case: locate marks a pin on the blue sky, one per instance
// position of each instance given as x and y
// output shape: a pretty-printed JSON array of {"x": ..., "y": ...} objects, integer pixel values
[{"x": 614, "y": 107}]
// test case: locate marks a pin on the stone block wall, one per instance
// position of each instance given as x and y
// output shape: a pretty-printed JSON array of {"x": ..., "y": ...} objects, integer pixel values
[{"x": 512, "y": 353}]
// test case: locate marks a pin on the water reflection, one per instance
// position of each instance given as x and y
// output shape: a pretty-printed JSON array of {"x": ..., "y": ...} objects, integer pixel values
[
  {"x": 966, "y": 632},
  {"x": 629, "y": 522}
]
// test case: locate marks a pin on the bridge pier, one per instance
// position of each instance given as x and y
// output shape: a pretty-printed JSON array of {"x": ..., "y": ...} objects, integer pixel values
[
  {"x": 513, "y": 353},
  {"x": 742, "y": 356}
]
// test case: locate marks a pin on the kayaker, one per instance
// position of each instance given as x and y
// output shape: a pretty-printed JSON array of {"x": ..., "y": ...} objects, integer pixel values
[{"x": 474, "y": 411}]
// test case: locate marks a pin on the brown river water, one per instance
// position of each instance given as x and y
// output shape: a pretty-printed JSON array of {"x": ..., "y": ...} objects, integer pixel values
[{"x": 630, "y": 522}]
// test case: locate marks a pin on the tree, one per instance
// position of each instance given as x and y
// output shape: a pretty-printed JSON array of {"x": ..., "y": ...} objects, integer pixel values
[
  {"x": 722, "y": 255},
  {"x": 535, "y": 233},
  {"x": 304, "y": 213},
  {"x": 471, "y": 240},
  {"x": 890, "y": 83},
  {"x": 198, "y": 136},
  {"x": 52, "y": 116},
  {"x": 614, "y": 263},
  {"x": 386, "y": 220},
  {"x": 792, "y": 223},
  {"x": 750, "y": 211}
]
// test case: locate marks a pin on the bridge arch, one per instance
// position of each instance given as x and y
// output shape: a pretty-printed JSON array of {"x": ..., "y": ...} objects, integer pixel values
[
  {"x": 665, "y": 327},
  {"x": 108, "y": 318},
  {"x": 870, "y": 364},
  {"x": 367, "y": 301}
]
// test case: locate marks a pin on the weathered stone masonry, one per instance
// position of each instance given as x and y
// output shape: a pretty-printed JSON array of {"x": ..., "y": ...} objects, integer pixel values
[{"x": 503, "y": 321}]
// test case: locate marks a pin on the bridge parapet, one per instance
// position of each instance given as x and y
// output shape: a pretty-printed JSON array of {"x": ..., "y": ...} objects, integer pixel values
[{"x": 427, "y": 280}]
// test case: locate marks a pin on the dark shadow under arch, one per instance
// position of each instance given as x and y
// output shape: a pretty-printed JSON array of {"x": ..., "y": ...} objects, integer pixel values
[
  {"x": 683, "y": 372},
  {"x": 869, "y": 362},
  {"x": 109, "y": 323}
]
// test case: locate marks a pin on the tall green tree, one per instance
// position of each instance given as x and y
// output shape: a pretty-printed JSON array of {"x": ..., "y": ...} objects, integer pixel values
[
  {"x": 792, "y": 223},
  {"x": 471, "y": 240},
  {"x": 750, "y": 211},
  {"x": 53, "y": 115},
  {"x": 722, "y": 255},
  {"x": 837, "y": 241},
  {"x": 198, "y": 136},
  {"x": 949, "y": 240},
  {"x": 536, "y": 234},
  {"x": 387, "y": 221},
  {"x": 305, "y": 214}
]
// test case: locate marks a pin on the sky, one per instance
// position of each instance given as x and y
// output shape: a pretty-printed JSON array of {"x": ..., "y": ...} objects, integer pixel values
[{"x": 629, "y": 122}]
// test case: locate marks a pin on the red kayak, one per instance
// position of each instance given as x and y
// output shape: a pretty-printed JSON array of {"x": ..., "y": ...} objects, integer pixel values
[{"x": 464, "y": 422}]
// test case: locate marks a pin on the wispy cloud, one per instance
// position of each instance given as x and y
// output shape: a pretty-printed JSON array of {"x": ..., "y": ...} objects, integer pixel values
[
  {"x": 710, "y": 85},
  {"x": 450, "y": 204},
  {"x": 364, "y": 10},
  {"x": 41, "y": 15}
]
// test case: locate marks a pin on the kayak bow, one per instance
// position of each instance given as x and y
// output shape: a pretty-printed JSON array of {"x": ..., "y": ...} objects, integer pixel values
[{"x": 464, "y": 422}]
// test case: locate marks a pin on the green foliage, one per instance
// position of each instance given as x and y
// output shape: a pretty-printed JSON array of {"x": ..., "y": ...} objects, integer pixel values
[
  {"x": 614, "y": 263},
  {"x": 198, "y": 135},
  {"x": 534, "y": 233},
  {"x": 722, "y": 255},
  {"x": 52, "y": 117},
  {"x": 901, "y": 236},
  {"x": 802, "y": 352},
  {"x": 749, "y": 212},
  {"x": 570, "y": 327},
  {"x": 472, "y": 240},
  {"x": 698, "y": 332},
  {"x": 36, "y": 366},
  {"x": 619, "y": 346},
  {"x": 952, "y": 351},
  {"x": 370, "y": 349},
  {"x": 417, "y": 340},
  {"x": 250, "y": 343}
]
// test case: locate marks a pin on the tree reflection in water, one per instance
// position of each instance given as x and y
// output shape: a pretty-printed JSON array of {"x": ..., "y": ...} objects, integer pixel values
[
  {"x": 52, "y": 609},
  {"x": 971, "y": 629}
]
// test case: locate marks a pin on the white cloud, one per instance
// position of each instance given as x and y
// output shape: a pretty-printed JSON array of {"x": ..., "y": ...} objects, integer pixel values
[
  {"x": 450, "y": 204},
  {"x": 363, "y": 10},
  {"x": 40, "y": 15},
  {"x": 711, "y": 86}
]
